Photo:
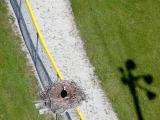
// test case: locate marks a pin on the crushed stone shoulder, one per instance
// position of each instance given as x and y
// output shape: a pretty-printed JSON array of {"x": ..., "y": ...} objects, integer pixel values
[{"x": 57, "y": 24}]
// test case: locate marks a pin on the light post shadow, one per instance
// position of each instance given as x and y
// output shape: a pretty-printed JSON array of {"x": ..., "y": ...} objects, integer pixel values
[{"x": 129, "y": 79}]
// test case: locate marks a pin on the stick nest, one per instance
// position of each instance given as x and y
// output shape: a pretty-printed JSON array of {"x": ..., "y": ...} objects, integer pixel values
[{"x": 63, "y": 95}]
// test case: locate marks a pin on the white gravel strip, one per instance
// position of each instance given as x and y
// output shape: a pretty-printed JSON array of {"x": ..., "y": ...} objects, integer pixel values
[{"x": 61, "y": 36}]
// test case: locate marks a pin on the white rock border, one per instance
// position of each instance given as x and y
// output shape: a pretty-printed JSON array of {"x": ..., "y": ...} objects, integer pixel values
[{"x": 57, "y": 24}]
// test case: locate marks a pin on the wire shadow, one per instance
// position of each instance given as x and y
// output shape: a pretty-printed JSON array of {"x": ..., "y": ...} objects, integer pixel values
[{"x": 129, "y": 79}]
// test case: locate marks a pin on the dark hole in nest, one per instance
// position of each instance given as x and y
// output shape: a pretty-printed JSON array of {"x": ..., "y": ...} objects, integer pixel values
[{"x": 63, "y": 93}]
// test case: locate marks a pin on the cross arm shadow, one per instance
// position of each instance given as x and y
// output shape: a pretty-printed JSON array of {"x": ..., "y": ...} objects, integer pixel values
[{"x": 129, "y": 79}]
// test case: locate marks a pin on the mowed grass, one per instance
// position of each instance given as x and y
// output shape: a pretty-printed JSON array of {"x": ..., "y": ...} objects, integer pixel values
[
  {"x": 114, "y": 31},
  {"x": 18, "y": 86}
]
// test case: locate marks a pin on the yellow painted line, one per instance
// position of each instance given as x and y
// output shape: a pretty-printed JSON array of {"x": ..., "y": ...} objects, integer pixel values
[
  {"x": 47, "y": 51},
  {"x": 79, "y": 113},
  {"x": 42, "y": 40}
]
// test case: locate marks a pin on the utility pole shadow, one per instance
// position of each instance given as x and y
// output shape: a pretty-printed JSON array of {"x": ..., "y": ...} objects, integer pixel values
[{"x": 129, "y": 79}]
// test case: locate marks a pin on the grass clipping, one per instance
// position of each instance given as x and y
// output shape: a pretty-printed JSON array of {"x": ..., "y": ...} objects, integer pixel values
[{"x": 63, "y": 95}]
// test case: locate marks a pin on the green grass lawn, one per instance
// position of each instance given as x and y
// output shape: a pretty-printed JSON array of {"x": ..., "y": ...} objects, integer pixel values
[
  {"x": 18, "y": 86},
  {"x": 114, "y": 31}
]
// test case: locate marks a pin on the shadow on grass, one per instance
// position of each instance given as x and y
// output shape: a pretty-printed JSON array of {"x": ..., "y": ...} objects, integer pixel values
[{"x": 129, "y": 79}]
